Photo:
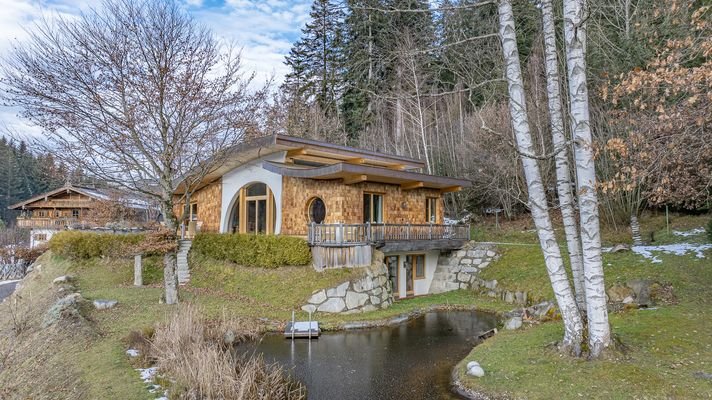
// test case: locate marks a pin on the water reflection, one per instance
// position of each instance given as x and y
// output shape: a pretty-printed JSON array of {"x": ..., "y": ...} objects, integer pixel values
[{"x": 409, "y": 361}]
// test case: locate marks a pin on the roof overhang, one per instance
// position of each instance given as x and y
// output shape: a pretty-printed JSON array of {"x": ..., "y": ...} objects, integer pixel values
[
  {"x": 63, "y": 189},
  {"x": 356, "y": 173},
  {"x": 306, "y": 149}
]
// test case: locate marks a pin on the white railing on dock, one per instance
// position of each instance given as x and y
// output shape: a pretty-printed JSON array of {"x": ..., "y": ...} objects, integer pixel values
[{"x": 363, "y": 234}]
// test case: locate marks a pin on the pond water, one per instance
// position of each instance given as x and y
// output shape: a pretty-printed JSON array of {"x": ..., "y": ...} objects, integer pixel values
[{"x": 408, "y": 361}]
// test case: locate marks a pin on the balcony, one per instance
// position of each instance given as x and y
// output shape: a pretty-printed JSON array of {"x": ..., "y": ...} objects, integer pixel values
[
  {"x": 47, "y": 223},
  {"x": 389, "y": 237}
]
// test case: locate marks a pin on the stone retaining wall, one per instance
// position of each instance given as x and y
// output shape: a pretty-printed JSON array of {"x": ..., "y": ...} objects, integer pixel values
[
  {"x": 370, "y": 292},
  {"x": 458, "y": 269}
]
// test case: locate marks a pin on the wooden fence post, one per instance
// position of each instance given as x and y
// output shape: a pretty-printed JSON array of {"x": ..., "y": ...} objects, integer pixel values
[{"x": 138, "y": 271}]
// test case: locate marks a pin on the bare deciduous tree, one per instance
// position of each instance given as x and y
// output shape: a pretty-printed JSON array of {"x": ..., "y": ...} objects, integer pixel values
[{"x": 137, "y": 94}]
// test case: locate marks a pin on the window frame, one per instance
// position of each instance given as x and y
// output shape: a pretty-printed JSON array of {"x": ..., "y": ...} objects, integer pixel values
[
  {"x": 431, "y": 210},
  {"x": 414, "y": 265},
  {"x": 310, "y": 214},
  {"x": 371, "y": 196},
  {"x": 193, "y": 214}
]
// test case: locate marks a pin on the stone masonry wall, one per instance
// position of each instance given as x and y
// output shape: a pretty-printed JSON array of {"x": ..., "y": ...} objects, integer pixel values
[
  {"x": 370, "y": 292},
  {"x": 458, "y": 269}
]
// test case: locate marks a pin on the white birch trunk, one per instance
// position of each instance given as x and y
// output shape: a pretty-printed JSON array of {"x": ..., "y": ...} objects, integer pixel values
[
  {"x": 563, "y": 176},
  {"x": 599, "y": 331},
  {"x": 573, "y": 325}
]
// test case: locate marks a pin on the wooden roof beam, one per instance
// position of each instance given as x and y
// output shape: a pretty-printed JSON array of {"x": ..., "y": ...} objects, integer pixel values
[
  {"x": 451, "y": 189},
  {"x": 412, "y": 185},
  {"x": 296, "y": 152},
  {"x": 359, "y": 160},
  {"x": 397, "y": 167},
  {"x": 350, "y": 180}
]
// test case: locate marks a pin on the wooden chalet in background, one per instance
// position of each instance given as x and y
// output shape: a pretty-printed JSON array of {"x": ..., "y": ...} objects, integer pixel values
[{"x": 68, "y": 207}]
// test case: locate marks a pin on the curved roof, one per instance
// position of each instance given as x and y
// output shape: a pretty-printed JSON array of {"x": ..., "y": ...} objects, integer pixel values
[{"x": 355, "y": 173}]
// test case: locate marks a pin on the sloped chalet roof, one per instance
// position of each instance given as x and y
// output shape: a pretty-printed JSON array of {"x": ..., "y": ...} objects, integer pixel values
[
  {"x": 306, "y": 158},
  {"x": 94, "y": 193}
]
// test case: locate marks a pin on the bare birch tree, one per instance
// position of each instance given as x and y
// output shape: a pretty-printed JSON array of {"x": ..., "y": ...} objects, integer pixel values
[
  {"x": 573, "y": 325},
  {"x": 136, "y": 94},
  {"x": 599, "y": 331},
  {"x": 561, "y": 146}
]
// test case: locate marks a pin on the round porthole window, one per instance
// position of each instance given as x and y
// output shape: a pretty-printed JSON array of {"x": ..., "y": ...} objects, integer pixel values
[{"x": 317, "y": 210}]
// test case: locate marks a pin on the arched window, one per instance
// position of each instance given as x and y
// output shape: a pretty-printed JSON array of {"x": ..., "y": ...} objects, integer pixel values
[
  {"x": 254, "y": 210},
  {"x": 316, "y": 210}
]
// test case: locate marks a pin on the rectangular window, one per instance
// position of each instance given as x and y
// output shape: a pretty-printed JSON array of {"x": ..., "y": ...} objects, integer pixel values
[
  {"x": 194, "y": 212},
  {"x": 431, "y": 214},
  {"x": 75, "y": 213},
  {"x": 417, "y": 262},
  {"x": 373, "y": 208},
  {"x": 41, "y": 237}
]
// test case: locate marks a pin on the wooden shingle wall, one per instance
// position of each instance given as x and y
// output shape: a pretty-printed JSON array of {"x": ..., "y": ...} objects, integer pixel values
[
  {"x": 344, "y": 203},
  {"x": 209, "y": 200}
]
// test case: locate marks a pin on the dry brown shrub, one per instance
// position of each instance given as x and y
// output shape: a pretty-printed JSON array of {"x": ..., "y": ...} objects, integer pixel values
[{"x": 199, "y": 356}]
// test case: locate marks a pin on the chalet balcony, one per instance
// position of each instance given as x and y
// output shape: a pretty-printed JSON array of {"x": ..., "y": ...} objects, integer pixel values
[
  {"x": 47, "y": 223},
  {"x": 389, "y": 237}
]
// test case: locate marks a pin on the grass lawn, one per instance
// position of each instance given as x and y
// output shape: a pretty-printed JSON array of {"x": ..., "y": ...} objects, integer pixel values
[
  {"x": 663, "y": 349},
  {"x": 87, "y": 361},
  {"x": 93, "y": 364}
]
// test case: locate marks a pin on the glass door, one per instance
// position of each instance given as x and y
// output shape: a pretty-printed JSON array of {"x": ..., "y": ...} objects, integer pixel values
[
  {"x": 408, "y": 267},
  {"x": 392, "y": 264}
]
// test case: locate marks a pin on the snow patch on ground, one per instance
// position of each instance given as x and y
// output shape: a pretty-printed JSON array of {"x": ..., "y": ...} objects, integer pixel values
[
  {"x": 147, "y": 376},
  {"x": 132, "y": 352},
  {"x": 692, "y": 232},
  {"x": 678, "y": 249}
]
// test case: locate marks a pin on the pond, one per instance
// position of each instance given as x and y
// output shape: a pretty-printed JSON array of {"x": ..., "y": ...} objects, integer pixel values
[{"x": 408, "y": 361}]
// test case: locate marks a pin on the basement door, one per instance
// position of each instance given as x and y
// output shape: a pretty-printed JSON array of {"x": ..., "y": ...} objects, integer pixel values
[{"x": 393, "y": 264}]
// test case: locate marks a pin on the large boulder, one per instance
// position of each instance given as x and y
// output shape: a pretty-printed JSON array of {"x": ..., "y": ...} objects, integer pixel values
[
  {"x": 617, "y": 293},
  {"x": 339, "y": 291},
  {"x": 354, "y": 300},
  {"x": 641, "y": 288},
  {"x": 513, "y": 323},
  {"x": 333, "y": 305},
  {"x": 475, "y": 369},
  {"x": 318, "y": 297}
]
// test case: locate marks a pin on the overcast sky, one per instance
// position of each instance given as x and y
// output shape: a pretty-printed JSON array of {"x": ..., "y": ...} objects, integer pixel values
[{"x": 265, "y": 29}]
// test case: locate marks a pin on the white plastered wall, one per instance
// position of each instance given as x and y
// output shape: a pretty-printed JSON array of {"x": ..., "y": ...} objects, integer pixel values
[
  {"x": 250, "y": 173},
  {"x": 420, "y": 286},
  {"x": 35, "y": 231}
]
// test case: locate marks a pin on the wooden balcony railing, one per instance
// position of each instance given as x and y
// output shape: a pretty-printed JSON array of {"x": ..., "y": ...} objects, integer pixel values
[
  {"x": 362, "y": 234},
  {"x": 49, "y": 223}
]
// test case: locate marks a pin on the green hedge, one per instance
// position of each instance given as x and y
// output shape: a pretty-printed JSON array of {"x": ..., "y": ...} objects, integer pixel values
[
  {"x": 86, "y": 245},
  {"x": 253, "y": 250}
]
